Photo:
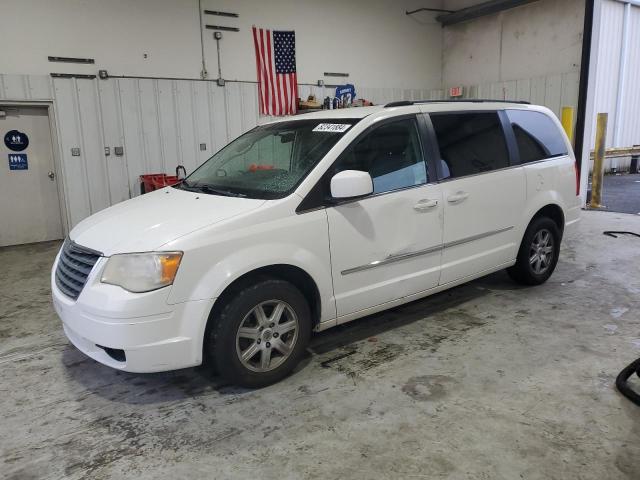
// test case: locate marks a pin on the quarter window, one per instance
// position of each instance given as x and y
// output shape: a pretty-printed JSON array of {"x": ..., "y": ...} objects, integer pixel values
[
  {"x": 537, "y": 136},
  {"x": 391, "y": 154},
  {"x": 470, "y": 143}
]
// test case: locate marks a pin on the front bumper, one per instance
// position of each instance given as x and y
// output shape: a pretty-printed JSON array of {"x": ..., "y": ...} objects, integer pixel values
[{"x": 152, "y": 334}]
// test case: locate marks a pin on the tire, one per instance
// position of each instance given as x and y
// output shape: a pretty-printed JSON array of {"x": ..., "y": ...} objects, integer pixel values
[
  {"x": 276, "y": 323},
  {"x": 536, "y": 259}
]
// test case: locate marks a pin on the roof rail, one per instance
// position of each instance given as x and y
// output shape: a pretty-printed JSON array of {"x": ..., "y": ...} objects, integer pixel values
[{"x": 404, "y": 103}]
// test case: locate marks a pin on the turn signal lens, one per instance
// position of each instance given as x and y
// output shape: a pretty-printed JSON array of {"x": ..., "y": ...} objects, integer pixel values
[{"x": 170, "y": 263}]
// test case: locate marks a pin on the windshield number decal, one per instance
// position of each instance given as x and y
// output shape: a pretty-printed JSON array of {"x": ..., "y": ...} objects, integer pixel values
[{"x": 332, "y": 127}]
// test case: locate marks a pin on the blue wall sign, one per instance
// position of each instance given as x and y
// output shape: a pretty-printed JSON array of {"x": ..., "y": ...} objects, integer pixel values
[
  {"x": 18, "y": 161},
  {"x": 16, "y": 141}
]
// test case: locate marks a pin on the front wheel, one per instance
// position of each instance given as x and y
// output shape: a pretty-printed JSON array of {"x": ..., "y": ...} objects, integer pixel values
[
  {"x": 538, "y": 254},
  {"x": 261, "y": 333}
]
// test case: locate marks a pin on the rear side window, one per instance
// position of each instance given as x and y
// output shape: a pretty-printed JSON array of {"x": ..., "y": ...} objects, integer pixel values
[
  {"x": 391, "y": 154},
  {"x": 537, "y": 136},
  {"x": 470, "y": 143}
]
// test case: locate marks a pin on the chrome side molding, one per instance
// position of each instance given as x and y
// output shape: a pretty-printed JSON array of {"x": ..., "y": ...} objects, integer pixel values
[{"x": 404, "y": 256}]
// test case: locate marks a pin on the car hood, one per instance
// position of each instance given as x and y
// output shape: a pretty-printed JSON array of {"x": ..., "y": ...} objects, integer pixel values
[{"x": 147, "y": 222}]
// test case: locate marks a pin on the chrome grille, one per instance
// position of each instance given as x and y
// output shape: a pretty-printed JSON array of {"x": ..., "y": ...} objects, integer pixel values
[{"x": 74, "y": 265}]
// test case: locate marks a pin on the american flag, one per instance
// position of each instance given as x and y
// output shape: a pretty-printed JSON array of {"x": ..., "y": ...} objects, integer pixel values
[{"x": 276, "y": 66}]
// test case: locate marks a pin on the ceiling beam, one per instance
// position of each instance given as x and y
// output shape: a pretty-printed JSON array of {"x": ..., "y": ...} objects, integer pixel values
[{"x": 480, "y": 10}]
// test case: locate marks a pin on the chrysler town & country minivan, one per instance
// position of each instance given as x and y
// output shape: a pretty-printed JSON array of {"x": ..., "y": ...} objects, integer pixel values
[{"x": 313, "y": 221}]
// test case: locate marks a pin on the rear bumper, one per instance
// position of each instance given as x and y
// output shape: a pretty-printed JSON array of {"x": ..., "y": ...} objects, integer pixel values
[
  {"x": 152, "y": 334},
  {"x": 572, "y": 220}
]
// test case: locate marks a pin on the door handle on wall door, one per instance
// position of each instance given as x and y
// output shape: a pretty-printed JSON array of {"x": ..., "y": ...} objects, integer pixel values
[
  {"x": 51, "y": 175},
  {"x": 425, "y": 204},
  {"x": 457, "y": 197}
]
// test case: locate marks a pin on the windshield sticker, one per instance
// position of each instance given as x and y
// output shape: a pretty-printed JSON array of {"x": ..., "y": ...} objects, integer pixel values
[{"x": 332, "y": 127}]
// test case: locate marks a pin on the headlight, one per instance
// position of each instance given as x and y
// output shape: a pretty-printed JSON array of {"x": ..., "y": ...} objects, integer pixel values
[{"x": 142, "y": 272}]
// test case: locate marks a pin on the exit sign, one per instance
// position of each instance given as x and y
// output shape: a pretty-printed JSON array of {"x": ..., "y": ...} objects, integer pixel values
[{"x": 456, "y": 92}]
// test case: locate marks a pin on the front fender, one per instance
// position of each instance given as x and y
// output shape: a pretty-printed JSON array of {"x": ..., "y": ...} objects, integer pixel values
[{"x": 302, "y": 241}]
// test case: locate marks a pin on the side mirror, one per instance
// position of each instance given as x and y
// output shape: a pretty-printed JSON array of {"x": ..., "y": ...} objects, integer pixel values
[{"x": 351, "y": 184}]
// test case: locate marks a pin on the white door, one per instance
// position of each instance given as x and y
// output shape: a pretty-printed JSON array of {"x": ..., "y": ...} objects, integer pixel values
[
  {"x": 484, "y": 195},
  {"x": 29, "y": 204},
  {"x": 388, "y": 245}
]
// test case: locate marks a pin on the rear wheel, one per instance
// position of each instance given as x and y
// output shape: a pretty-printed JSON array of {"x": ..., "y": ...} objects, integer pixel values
[
  {"x": 261, "y": 333},
  {"x": 538, "y": 254}
]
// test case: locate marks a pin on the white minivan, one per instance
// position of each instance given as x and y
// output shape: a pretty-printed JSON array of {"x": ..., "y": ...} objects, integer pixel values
[{"x": 312, "y": 221}]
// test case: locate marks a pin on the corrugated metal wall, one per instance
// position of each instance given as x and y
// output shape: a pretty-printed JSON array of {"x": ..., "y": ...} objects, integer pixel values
[
  {"x": 161, "y": 123},
  {"x": 552, "y": 91},
  {"x": 608, "y": 58}
]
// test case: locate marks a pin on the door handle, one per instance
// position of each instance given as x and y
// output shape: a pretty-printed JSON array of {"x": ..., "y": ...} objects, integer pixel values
[
  {"x": 457, "y": 197},
  {"x": 425, "y": 204},
  {"x": 51, "y": 175}
]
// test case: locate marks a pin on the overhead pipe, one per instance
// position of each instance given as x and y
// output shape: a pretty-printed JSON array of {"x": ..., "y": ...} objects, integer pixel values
[
  {"x": 436, "y": 10},
  {"x": 203, "y": 73},
  {"x": 480, "y": 10}
]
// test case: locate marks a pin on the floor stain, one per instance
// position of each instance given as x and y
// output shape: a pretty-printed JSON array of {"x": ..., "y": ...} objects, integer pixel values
[{"x": 428, "y": 387}]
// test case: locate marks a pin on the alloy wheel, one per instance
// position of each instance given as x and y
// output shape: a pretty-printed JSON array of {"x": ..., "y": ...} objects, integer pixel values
[
  {"x": 541, "y": 251},
  {"x": 266, "y": 336}
]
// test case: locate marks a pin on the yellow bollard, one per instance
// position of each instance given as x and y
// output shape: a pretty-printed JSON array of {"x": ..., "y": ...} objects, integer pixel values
[
  {"x": 598, "y": 161},
  {"x": 567, "y": 122}
]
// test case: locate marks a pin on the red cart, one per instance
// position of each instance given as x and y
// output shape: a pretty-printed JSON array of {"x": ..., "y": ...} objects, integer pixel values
[{"x": 155, "y": 181}]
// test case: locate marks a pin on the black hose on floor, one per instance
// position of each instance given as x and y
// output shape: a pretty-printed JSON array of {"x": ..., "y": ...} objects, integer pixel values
[
  {"x": 623, "y": 386},
  {"x": 634, "y": 367},
  {"x": 615, "y": 234}
]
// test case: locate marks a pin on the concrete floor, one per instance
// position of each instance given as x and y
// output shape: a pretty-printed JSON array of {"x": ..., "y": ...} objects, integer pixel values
[
  {"x": 487, "y": 381},
  {"x": 620, "y": 193}
]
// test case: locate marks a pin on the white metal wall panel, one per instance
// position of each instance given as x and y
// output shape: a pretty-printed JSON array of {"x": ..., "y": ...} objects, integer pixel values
[
  {"x": 233, "y": 108},
  {"x": 111, "y": 123},
  {"x": 570, "y": 89},
  {"x": 167, "y": 125},
  {"x": 218, "y": 116},
  {"x": 523, "y": 90},
  {"x": 91, "y": 144},
  {"x": 26, "y": 87},
  {"x": 39, "y": 87},
  {"x": 15, "y": 86},
  {"x": 73, "y": 168},
  {"x": 161, "y": 123},
  {"x": 630, "y": 124},
  {"x": 538, "y": 90},
  {"x": 201, "y": 120},
  {"x": 150, "y": 118},
  {"x": 608, "y": 58},
  {"x": 249, "y": 96},
  {"x": 553, "y": 93},
  {"x": 188, "y": 133},
  {"x": 510, "y": 90},
  {"x": 133, "y": 139}
]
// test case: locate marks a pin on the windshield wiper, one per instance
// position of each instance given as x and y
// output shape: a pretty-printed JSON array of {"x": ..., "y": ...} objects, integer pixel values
[
  {"x": 184, "y": 185},
  {"x": 203, "y": 187}
]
